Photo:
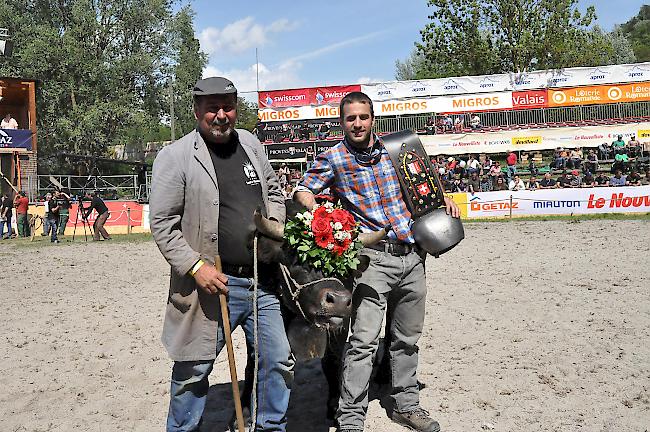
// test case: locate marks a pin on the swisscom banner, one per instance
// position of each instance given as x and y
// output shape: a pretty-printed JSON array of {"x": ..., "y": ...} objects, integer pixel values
[
  {"x": 304, "y": 97},
  {"x": 629, "y": 199},
  {"x": 532, "y": 139}
]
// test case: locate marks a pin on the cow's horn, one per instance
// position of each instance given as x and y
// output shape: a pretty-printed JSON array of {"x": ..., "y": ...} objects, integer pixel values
[
  {"x": 369, "y": 239},
  {"x": 268, "y": 227}
]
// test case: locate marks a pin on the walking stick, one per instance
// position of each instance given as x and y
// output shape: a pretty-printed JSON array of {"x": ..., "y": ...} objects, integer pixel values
[{"x": 231, "y": 355}]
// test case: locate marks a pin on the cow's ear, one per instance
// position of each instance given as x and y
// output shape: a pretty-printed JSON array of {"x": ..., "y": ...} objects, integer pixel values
[{"x": 363, "y": 266}]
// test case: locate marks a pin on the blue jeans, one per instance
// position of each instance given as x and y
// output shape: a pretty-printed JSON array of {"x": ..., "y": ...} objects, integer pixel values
[
  {"x": 53, "y": 225},
  {"x": 2, "y": 228},
  {"x": 189, "y": 384}
]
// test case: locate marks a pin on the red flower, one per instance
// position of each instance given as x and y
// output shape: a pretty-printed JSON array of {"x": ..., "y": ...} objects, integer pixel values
[
  {"x": 322, "y": 240},
  {"x": 322, "y": 230},
  {"x": 321, "y": 212},
  {"x": 344, "y": 217}
]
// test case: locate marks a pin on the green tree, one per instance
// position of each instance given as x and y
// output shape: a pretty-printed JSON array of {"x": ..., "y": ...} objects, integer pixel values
[
  {"x": 477, "y": 37},
  {"x": 102, "y": 66},
  {"x": 637, "y": 31}
]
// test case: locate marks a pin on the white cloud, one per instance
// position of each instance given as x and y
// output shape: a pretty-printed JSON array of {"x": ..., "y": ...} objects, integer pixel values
[
  {"x": 338, "y": 45},
  {"x": 241, "y": 35},
  {"x": 282, "y": 76},
  {"x": 368, "y": 80}
]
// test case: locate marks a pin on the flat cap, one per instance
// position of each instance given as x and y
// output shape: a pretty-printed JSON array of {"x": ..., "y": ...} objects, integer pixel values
[{"x": 214, "y": 86}]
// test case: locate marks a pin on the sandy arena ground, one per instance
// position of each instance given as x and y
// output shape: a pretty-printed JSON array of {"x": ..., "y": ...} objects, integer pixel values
[{"x": 531, "y": 326}]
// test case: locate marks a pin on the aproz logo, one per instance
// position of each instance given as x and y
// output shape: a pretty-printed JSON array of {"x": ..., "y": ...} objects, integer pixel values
[{"x": 5, "y": 138}]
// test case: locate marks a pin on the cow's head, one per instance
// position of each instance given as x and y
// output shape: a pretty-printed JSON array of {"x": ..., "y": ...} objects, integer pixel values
[{"x": 324, "y": 302}]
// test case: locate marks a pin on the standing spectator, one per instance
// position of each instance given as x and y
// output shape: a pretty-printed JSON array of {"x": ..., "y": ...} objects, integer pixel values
[
  {"x": 591, "y": 164},
  {"x": 602, "y": 179},
  {"x": 8, "y": 122},
  {"x": 63, "y": 201},
  {"x": 475, "y": 122},
  {"x": 547, "y": 182},
  {"x": 430, "y": 126},
  {"x": 22, "y": 207},
  {"x": 486, "y": 183},
  {"x": 305, "y": 131},
  {"x": 323, "y": 130},
  {"x": 516, "y": 184},
  {"x": 605, "y": 150},
  {"x": 532, "y": 183},
  {"x": 284, "y": 172},
  {"x": 6, "y": 212},
  {"x": 97, "y": 204},
  {"x": 618, "y": 179},
  {"x": 633, "y": 179},
  {"x": 511, "y": 161},
  {"x": 52, "y": 218},
  {"x": 458, "y": 124},
  {"x": 474, "y": 183},
  {"x": 46, "y": 215},
  {"x": 448, "y": 123}
]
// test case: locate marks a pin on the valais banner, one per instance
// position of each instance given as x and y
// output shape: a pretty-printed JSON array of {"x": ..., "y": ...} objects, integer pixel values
[{"x": 628, "y": 199}]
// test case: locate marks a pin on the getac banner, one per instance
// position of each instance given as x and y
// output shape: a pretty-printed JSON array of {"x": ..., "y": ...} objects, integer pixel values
[
  {"x": 16, "y": 138},
  {"x": 304, "y": 97},
  {"x": 630, "y": 199},
  {"x": 531, "y": 139}
]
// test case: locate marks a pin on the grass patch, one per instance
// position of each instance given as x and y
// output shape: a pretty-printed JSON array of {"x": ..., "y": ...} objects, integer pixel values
[{"x": 572, "y": 218}]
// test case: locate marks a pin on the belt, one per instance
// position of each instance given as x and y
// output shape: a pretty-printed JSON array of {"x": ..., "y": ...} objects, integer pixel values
[
  {"x": 246, "y": 271},
  {"x": 394, "y": 248}
]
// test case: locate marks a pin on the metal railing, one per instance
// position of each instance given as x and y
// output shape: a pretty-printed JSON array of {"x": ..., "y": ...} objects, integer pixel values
[{"x": 110, "y": 187}]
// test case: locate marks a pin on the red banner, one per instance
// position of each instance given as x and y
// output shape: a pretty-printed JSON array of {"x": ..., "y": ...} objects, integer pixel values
[
  {"x": 119, "y": 211},
  {"x": 332, "y": 95},
  {"x": 530, "y": 99},
  {"x": 304, "y": 97}
]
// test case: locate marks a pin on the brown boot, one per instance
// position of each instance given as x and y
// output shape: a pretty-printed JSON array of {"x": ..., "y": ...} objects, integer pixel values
[{"x": 417, "y": 419}]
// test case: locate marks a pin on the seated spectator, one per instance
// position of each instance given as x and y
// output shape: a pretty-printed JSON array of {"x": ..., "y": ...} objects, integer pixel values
[
  {"x": 574, "y": 179},
  {"x": 448, "y": 123},
  {"x": 474, "y": 183},
  {"x": 284, "y": 174},
  {"x": 458, "y": 124},
  {"x": 559, "y": 159},
  {"x": 621, "y": 162},
  {"x": 485, "y": 184},
  {"x": 451, "y": 164},
  {"x": 646, "y": 148},
  {"x": 475, "y": 122},
  {"x": 460, "y": 185},
  {"x": 646, "y": 177},
  {"x": 487, "y": 162},
  {"x": 575, "y": 158},
  {"x": 634, "y": 147},
  {"x": 500, "y": 184},
  {"x": 323, "y": 131},
  {"x": 532, "y": 167},
  {"x": 618, "y": 146},
  {"x": 591, "y": 164},
  {"x": 547, "y": 182},
  {"x": 516, "y": 184},
  {"x": 602, "y": 179},
  {"x": 588, "y": 180},
  {"x": 618, "y": 179},
  {"x": 288, "y": 191},
  {"x": 430, "y": 126},
  {"x": 285, "y": 132},
  {"x": 605, "y": 150},
  {"x": 440, "y": 125},
  {"x": 633, "y": 179},
  {"x": 473, "y": 165},
  {"x": 305, "y": 131},
  {"x": 295, "y": 132},
  {"x": 532, "y": 183},
  {"x": 495, "y": 170},
  {"x": 563, "y": 180}
]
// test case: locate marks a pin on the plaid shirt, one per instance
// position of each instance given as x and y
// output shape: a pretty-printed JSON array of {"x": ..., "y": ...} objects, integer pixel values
[{"x": 371, "y": 192}]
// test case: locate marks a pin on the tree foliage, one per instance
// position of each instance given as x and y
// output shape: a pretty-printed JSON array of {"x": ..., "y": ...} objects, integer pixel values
[
  {"x": 637, "y": 31},
  {"x": 481, "y": 37},
  {"x": 104, "y": 68}
]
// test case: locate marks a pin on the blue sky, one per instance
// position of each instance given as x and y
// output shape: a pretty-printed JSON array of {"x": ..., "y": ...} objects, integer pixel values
[{"x": 309, "y": 43}]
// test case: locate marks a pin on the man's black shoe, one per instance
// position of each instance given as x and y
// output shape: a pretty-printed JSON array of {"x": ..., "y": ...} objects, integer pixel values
[{"x": 417, "y": 419}]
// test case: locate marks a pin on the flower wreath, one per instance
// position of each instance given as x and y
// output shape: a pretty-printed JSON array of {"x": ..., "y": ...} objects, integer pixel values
[{"x": 326, "y": 239}]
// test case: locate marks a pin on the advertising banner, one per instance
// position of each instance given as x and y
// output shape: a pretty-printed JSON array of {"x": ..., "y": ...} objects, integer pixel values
[
  {"x": 531, "y": 139},
  {"x": 603, "y": 94},
  {"x": 304, "y": 96},
  {"x": 332, "y": 94},
  {"x": 630, "y": 199},
  {"x": 530, "y": 99},
  {"x": 119, "y": 214},
  {"x": 288, "y": 151},
  {"x": 16, "y": 138}
]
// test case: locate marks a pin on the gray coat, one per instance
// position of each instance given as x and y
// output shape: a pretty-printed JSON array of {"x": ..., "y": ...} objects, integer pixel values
[{"x": 184, "y": 216}]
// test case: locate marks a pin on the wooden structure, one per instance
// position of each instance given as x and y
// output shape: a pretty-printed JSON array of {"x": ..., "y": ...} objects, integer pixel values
[{"x": 17, "y": 163}]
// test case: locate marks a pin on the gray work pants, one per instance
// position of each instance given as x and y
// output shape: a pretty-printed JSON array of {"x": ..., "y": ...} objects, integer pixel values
[{"x": 403, "y": 279}]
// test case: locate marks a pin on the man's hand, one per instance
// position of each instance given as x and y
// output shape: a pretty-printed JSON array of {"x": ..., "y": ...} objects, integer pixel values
[
  {"x": 210, "y": 280},
  {"x": 451, "y": 208}
]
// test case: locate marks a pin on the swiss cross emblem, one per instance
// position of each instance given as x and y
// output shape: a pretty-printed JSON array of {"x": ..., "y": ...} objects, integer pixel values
[
  {"x": 415, "y": 167},
  {"x": 423, "y": 189}
]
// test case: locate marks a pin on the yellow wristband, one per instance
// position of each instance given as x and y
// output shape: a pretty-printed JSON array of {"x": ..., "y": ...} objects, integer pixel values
[{"x": 196, "y": 267}]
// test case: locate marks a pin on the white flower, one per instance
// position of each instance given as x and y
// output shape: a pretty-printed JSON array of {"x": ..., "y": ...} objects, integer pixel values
[
  {"x": 330, "y": 246},
  {"x": 307, "y": 216},
  {"x": 338, "y": 226},
  {"x": 299, "y": 216},
  {"x": 328, "y": 205},
  {"x": 339, "y": 236}
]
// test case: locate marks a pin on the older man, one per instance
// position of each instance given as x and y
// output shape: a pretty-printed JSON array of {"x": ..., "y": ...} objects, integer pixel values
[{"x": 205, "y": 188}]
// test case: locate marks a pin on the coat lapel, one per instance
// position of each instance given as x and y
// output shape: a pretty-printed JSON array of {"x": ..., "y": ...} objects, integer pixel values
[{"x": 202, "y": 155}]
